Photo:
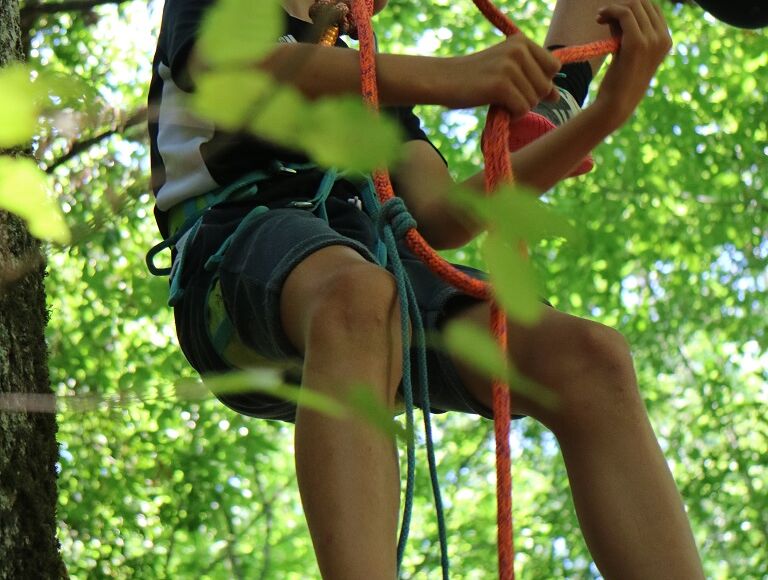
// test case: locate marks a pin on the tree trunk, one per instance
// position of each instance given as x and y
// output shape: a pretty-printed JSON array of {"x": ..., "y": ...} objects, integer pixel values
[{"x": 28, "y": 452}]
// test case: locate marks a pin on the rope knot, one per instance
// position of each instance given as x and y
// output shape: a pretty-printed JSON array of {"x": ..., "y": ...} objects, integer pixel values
[
  {"x": 394, "y": 213},
  {"x": 327, "y": 13}
]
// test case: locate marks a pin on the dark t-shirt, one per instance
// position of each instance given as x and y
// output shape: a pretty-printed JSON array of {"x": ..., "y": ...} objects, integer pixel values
[{"x": 190, "y": 156}]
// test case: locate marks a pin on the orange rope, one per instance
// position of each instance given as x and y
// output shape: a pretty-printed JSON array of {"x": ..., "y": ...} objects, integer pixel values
[{"x": 498, "y": 170}]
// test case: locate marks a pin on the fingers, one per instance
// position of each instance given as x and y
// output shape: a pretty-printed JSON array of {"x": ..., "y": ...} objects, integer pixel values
[
  {"x": 624, "y": 16},
  {"x": 548, "y": 66},
  {"x": 553, "y": 96},
  {"x": 660, "y": 24},
  {"x": 538, "y": 78},
  {"x": 644, "y": 44},
  {"x": 531, "y": 69},
  {"x": 641, "y": 23},
  {"x": 548, "y": 62},
  {"x": 646, "y": 14}
]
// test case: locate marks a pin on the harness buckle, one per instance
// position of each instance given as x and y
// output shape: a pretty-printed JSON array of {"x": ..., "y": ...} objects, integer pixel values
[{"x": 280, "y": 167}]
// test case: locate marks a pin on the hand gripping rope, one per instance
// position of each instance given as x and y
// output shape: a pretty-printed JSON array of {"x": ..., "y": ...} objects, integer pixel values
[{"x": 354, "y": 17}]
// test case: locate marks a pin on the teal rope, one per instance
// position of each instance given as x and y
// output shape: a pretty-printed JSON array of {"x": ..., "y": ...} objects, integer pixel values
[
  {"x": 372, "y": 208},
  {"x": 396, "y": 266},
  {"x": 423, "y": 381},
  {"x": 323, "y": 191},
  {"x": 394, "y": 222}
]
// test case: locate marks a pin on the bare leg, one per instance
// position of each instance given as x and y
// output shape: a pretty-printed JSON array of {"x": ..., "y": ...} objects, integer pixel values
[
  {"x": 630, "y": 511},
  {"x": 573, "y": 22},
  {"x": 342, "y": 312}
]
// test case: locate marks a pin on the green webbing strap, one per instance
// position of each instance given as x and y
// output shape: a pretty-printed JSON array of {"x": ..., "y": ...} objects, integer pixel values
[
  {"x": 221, "y": 330},
  {"x": 176, "y": 291},
  {"x": 326, "y": 185},
  {"x": 221, "y": 333},
  {"x": 186, "y": 215},
  {"x": 215, "y": 260},
  {"x": 371, "y": 207},
  {"x": 191, "y": 209}
]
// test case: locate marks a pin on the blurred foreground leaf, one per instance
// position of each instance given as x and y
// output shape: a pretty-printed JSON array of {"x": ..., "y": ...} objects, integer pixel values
[
  {"x": 477, "y": 348},
  {"x": 19, "y": 106},
  {"x": 336, "y": 132},
  {"x": 512, "y": 216},
  {"x": 24, "y": 191},
  {"x": 515, "y": 214},
  {"x": 214, "y": 98},
  {"x": 513, "y": 280},
  {"x": 240, "y": 32},
  {"x": 363, "y": 403},
  {"x": 23, "y": 99},
  {"x": 359, "y": 402},
  {"x": 270, "y": 382},
  {"x": 282, "y": 118},
  {"x": 344, "y": 133}
]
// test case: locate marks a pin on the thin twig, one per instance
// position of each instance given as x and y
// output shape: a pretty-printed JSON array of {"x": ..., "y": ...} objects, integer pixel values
[
  {"x": 267, "y": 512},
  {"x": 137, "y": 117}
]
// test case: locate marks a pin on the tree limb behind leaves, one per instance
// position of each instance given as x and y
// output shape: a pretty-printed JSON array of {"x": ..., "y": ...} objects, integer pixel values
[{"x": 137, "y": 117}]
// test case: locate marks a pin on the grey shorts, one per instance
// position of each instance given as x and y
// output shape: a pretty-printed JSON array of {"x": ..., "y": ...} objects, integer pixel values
[{"x": 256, "y": 265}]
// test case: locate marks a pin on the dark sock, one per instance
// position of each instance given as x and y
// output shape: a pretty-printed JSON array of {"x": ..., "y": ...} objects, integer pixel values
[{"x": 577, "y": 77}]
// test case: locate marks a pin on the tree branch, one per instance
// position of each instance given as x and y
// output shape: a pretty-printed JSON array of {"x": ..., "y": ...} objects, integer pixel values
[
  {"x": 136, "y": 118},
  {"x": 34, "y": 10},
  {"x": 267, "y": 511}
]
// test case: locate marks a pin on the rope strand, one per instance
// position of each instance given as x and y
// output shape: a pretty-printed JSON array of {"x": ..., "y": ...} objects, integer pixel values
[{"x": 498, "y": 170}]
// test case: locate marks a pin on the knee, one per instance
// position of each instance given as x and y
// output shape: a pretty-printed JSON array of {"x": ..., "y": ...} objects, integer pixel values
[
  {"x": 602, "y": 355},
  {"x": 589, "y": 367},
  {"x": 358, "y": 305}
]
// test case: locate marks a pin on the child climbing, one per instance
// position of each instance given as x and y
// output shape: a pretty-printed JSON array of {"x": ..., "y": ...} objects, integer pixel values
[{"x": 300, "y": 286}]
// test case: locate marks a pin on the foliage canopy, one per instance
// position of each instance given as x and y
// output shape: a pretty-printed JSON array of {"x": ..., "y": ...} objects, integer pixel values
[{"x": 673, "y": 252}]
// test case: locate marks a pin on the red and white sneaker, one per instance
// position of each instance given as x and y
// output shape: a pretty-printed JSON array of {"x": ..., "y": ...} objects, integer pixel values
[{"x": 543, "y": 118}]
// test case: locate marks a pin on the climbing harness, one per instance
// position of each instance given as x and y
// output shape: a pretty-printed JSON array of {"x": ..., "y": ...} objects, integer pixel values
[
  {"x": 394, "y": 224},
  {"x": 186, "y": 218}
]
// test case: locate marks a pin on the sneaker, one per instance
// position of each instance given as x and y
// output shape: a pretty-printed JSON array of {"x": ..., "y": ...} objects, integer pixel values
[{"x": 543, "y": 118}]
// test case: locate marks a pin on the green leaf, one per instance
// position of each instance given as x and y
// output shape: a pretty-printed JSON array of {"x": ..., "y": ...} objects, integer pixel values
[
  {"x": 335, "y": 132},
  {"x": 360, "y": 401},
  {"x": 282, "y": 117},
  {"x": 214, "y": 98},
  {"x": 517, "y": 214},
  {"x": 343, "y": 132},
  {"x": 24, "y": 191},
  {"x": 364, "y": 404},
  {"x": 19, "y": 106},
  {"x": 269, "y": 381},
  {"x": 513, "y": 280},
  {"x": 23, "y": 99},
  {"x": 477, "y": 348},
  {"x": 240, "y": 32}
]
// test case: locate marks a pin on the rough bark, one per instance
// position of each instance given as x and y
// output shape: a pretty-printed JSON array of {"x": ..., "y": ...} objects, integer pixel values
[{"x": 28, "y": 451}]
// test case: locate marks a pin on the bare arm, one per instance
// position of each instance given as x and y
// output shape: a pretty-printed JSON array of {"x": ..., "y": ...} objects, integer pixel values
[
  {"x": 424, "y": 180},
  {"x": 515, "y": 74},
  {"x": 540, "y": 165}
]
